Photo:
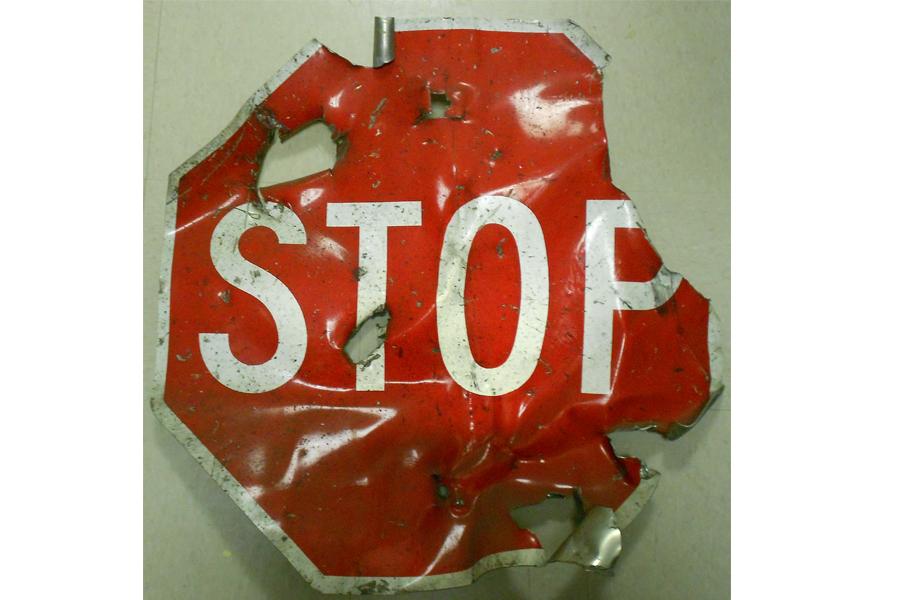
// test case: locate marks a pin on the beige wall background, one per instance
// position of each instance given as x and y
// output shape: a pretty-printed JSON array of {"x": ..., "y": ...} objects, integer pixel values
[{"x": 667, "y": 97}]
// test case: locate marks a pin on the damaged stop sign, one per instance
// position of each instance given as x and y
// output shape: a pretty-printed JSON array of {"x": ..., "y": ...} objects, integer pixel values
[{"x": 381, "y": 361}]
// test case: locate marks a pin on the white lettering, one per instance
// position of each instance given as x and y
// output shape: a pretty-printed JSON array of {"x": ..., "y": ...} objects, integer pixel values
[
  {"x": 265, "y": 287},
  {"x": 534, "y": 299},
  {"x": 373, "y": 220},
  {"x": 603, "y": 294}
]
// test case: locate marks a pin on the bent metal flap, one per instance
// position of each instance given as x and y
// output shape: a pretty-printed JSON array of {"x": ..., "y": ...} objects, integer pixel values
[{"x": 379, "y": 362}]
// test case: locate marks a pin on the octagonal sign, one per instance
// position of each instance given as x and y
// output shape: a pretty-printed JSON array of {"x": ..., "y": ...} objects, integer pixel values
[{"x": 382, "y": 362}]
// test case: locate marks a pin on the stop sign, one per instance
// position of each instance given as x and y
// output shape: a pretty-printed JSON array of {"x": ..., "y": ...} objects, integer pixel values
[{"x": 380, "y": 361}]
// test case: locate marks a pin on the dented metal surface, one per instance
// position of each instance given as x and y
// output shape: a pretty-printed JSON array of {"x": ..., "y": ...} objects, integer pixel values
[{"x": 384, "y": 362}]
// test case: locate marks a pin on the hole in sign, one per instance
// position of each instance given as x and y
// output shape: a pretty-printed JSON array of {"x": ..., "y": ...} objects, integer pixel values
[
  {"x": 307, "y": 151},
  {"x": 439, "y": 105},
  {"x": 368, "y": 337},
  {"x": 551, "y": 521}
]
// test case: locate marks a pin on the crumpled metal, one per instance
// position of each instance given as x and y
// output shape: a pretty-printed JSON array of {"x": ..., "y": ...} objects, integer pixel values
[{"x": 412, "y": 487}]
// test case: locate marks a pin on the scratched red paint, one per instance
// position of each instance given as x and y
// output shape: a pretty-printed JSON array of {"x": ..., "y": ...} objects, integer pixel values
[{"x": 357, "y": 488}]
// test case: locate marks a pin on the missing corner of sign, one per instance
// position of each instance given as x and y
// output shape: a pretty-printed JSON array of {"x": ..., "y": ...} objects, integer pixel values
[
  {"x": 368, "y": 337},
  {"x": 590, "y": 538}
]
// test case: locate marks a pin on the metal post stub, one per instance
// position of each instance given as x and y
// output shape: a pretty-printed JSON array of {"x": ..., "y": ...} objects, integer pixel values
[{"x": 384, "y": 41}]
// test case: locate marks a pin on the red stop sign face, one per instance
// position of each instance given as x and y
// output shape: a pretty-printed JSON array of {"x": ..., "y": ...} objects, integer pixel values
[{"x": 380, "y": 361}]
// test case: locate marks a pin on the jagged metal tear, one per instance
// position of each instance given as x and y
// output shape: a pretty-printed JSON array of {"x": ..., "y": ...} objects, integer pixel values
[
  {"x": 368, "y": 337},
  {"x": 594, "y": 539}
]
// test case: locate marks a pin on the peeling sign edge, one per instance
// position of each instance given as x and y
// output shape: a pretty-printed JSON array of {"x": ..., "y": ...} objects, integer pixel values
[{"x": 265, "y": 523}]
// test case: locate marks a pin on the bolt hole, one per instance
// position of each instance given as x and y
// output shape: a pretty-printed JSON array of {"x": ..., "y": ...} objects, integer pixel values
[{"x": 439, "y": 105}]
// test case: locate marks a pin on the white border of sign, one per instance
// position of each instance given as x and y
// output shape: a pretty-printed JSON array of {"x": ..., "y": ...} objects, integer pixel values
[{"x": 240, "y": 495}]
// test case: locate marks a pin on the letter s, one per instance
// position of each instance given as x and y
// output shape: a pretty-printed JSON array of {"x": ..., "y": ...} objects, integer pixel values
[{"x": 265, "y": 287}]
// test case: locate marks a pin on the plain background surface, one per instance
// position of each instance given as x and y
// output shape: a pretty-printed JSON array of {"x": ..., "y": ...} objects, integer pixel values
[{"x": 666, "y": 99}]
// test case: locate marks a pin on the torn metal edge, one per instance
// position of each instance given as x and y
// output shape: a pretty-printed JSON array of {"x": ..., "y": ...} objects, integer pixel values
[
  {"x": 716, "y": 374},
  {"x": 268, "y": 526},
  {"x": 596, "y": 542},
  {"x": 569, "y": 28},
  {"x": 635, "y": 503},
  {"x": 716, "y": 383}
]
